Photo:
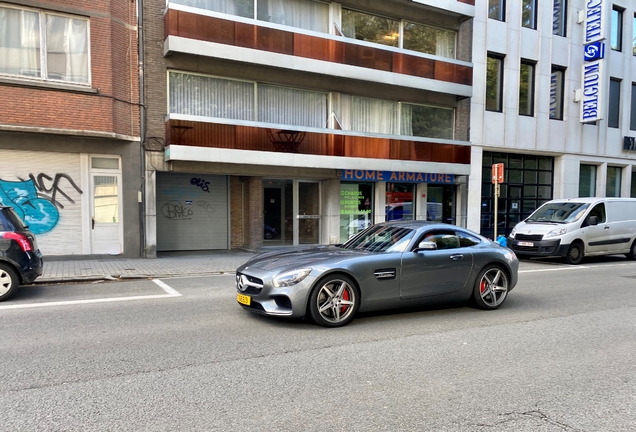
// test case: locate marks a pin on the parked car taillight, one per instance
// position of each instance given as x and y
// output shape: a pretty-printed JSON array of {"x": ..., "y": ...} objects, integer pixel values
[{"x": 22, "y": 240}]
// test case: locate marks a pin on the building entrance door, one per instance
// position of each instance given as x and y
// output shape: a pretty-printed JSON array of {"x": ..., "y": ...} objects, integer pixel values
[
  {"x": 440, "y": 204},
  {"x": 106, "y": 214},
  {"x": 291, "y": 212}
]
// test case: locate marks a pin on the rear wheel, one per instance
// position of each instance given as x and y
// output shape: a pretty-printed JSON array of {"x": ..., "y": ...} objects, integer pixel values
[
  {"x": 9, "y": 281},
  {"x": 334, "y": 301},
  {"x": 632, "y": 252},
  {"x": 491, "y": 288},
  {"x": 575, "y": 254}
]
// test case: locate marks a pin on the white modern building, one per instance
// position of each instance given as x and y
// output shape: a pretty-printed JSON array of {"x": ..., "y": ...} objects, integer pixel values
[{"x": 562, "y": 124}]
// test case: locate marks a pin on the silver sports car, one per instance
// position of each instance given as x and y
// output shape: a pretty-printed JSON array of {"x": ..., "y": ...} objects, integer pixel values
[{"x": 388, "y": 265}]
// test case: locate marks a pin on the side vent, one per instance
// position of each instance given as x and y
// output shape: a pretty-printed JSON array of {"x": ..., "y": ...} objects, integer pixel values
[{"x": 384, "y": 273}]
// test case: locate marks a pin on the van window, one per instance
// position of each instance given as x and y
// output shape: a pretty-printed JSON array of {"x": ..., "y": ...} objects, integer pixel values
[{"x": 599, "y": 211}]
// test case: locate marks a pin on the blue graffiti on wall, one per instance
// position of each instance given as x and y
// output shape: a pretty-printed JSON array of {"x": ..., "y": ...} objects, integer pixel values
[{"x": 34, "y": 202}]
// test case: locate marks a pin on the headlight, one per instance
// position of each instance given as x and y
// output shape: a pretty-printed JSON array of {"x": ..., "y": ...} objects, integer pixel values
[
  {"x": 555, "y": 233},
  {"x": 290, "y": 278},
  {"x": 513, "y": 232}
]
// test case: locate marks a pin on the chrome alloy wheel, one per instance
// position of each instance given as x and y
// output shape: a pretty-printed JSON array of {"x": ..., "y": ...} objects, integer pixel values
[
  {"x": 493, "y": 287},
  {"x": 336, "y": 301}
]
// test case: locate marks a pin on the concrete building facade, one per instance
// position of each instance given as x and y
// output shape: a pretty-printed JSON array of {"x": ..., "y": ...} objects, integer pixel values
[
  {"x": 562, "y": 124},
  {"x": 69, "y": 124}
]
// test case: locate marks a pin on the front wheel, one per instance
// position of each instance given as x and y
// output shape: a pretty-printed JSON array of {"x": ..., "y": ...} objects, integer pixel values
[
  {"x": 575, "y": 254},
  {"x": 9, "y": 281},
  {"x": 334, "y": 301},
  {"x": 491, "y": 288}
]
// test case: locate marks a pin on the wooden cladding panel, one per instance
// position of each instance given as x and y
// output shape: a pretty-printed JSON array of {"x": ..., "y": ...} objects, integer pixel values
[
  {"x": 210, "y": 29},
  {"x": 470, "y": 2},
  {"x": 252, "y": 138}
]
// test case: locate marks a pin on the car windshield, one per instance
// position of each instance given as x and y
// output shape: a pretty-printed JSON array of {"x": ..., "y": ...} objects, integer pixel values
[
  {"x": 565, "y": 212},
  {"x": 381, "y": 238}
]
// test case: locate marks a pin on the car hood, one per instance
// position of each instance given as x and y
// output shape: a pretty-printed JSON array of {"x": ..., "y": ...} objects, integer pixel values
[
  {"x": 537, "y": 227},
  {"x": 296, "y": 258}
]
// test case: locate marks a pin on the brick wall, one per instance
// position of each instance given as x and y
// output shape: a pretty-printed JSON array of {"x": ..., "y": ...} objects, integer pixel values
[
  {"x": 114, "y": 71},
  {"x": 238, "y": 190}
]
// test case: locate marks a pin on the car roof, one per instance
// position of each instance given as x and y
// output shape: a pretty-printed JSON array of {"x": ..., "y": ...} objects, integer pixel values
[
  {"x": 417, "y": 224},
  {"x": 588, "y": 200}
]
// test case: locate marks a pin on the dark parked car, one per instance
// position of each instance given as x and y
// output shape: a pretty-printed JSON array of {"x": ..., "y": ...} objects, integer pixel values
[
  {"x": 20, "y": 258},
  {"x": 388, "y": 265},
  {"x": 269, "y": 232}
]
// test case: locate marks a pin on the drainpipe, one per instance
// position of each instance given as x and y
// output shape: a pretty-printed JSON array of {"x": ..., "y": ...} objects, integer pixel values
[{"x": 142, "y": 130}]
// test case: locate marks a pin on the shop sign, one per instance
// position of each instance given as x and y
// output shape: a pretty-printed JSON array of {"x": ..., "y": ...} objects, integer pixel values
[
  {"x": 592, "y": 91},
  {"x": 629, "y": 143},
  {"x": 594, "y": 21},
  {"x": 397, "y": 176},
  {"x": 594, "y": 51}
]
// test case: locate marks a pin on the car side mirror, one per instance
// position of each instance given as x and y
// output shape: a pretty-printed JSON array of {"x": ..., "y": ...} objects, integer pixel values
[
  {"x": 425, "y": 245},
  {"x": 592, "y": 220}
]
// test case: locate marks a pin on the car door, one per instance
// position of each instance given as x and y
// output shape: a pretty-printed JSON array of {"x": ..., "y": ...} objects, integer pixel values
[
  {"x": 435, "y": 272},
  {"x": 597, "y": 237}
]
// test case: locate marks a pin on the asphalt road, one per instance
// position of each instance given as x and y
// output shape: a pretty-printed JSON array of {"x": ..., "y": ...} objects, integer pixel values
[{"x": 560, "y": 355}]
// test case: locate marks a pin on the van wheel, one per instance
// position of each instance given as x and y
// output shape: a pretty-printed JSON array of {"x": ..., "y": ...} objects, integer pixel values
[
  {"x": 9, "y": 281},
  {"x": 575, "y": 254},
  {"x": 632, "y": 252}
]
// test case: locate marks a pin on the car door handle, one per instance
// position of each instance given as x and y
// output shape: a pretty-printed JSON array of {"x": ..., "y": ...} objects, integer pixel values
[
  {"x": 456, "y": 257},
  {"x": 606, "y": 227}
]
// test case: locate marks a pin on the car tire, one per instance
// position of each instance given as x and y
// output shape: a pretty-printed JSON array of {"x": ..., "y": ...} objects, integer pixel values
[
  {"x": 268, "y": 235},
  {"x": 9, "y": 281},
  {"x": 334, "y": 301},
  {"x": 575, "y": 254},
  {"x": 491, "y": 288},
  {"x": 632, "y": 252}
]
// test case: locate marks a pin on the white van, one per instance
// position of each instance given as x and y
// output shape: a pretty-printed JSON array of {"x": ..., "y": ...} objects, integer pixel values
[{"x": 578, "y": 227}]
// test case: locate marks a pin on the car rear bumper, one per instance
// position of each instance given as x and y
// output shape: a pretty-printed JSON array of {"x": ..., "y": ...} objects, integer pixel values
[
  {"x": 542, "y": 248},
  {"x": 31, "y": 267}
]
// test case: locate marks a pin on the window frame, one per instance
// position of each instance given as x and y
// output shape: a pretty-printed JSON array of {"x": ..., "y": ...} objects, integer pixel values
[
  {"x": 531, "y": 87},
  {"x": 618, "y": 182},
  {"x": 499, "y": 93},
  {"x": 613, "y": 108},
  {"x": 561, "y": 28},
  {"x": 532, "y": 25},
  {"x": 502, "y": 10},
  {"x": 616, "y": 35},
  {"x": 559, "y": 93},
  {"x": 43, "y": 35}
]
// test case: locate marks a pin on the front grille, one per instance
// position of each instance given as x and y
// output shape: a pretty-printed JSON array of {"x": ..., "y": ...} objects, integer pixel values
[
  {"x": 248, "y": 284},
  {"x": 529, "y": 237}
]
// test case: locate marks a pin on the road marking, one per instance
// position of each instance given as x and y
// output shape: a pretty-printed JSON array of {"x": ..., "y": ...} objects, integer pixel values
[
  {"x": 573, "y": 267},
  {"x": 167, "y": 288},
  {"x": 171, "y": 292}
]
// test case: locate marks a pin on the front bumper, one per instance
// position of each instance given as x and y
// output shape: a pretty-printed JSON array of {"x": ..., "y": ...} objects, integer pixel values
[
  {"x": 266, "y": 299},
  {"x": 543, "y": 248}
]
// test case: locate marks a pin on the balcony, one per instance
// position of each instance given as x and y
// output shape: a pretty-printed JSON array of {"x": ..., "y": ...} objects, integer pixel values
[{"x": 337, "y": 145}]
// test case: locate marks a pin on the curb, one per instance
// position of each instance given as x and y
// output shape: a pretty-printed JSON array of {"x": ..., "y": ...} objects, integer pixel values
[{"x": 119, "y": 278}]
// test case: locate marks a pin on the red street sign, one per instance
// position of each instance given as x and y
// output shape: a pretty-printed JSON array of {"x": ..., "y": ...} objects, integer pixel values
[{"x": 497, "y": 173}]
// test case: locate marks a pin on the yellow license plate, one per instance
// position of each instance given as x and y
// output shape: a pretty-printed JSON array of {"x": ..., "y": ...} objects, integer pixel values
[{"x": 243, "y": 299}]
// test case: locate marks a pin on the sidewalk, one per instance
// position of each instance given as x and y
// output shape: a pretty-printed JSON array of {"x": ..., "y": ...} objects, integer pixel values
[{"x": 166, "y": 265}]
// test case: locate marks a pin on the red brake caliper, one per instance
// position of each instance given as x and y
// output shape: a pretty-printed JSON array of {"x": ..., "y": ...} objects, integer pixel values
[
  {"x": 345, "y": 296},
  {"x": 482, "y": 287}
]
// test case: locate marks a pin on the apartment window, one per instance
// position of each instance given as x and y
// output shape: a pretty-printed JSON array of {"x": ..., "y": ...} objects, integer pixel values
[
  {"x": 613, "y": 188},
  {"x": 494, "y": 82},
  {"x": 587, "y": 181},
  {"x": 559, "y": 17},
  {"x": 617, "y": 29},
  {"x": 396, "y": 118},
  {"x": 613, "y": 115},
  {"x": 387, "y": 31},
  {"x": 633, "y": 192},
  {"x": 557, "y": 80},
  {"x": 205, "y": 96},
  {"x": 497, "y": 10},
  {"x": 632, "y": 117},
  {"x": 529, "y": 14},
  {"x": 526, "y": 88},
  {"x": 27, "y": 32},
  {"x": 634, "y": 36}
]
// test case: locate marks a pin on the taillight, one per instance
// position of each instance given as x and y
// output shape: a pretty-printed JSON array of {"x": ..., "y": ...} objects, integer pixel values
[{"x": 22, "y": 240}]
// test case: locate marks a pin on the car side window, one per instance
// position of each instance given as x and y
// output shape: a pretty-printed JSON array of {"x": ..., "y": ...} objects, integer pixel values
[
  {"x": 467, "y": 240},
  {"x": 443, "y": 239},
  {"x": 599, "y": 211}
]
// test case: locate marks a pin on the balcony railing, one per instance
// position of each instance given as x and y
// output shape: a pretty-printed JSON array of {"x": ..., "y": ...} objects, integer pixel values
[{"x": 214, "y": 135}]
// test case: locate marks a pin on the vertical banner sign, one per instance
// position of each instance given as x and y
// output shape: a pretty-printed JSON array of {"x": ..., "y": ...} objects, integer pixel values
[
  {"x": 594, "y": 56},
  {"x": 497, "y": 178}
]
